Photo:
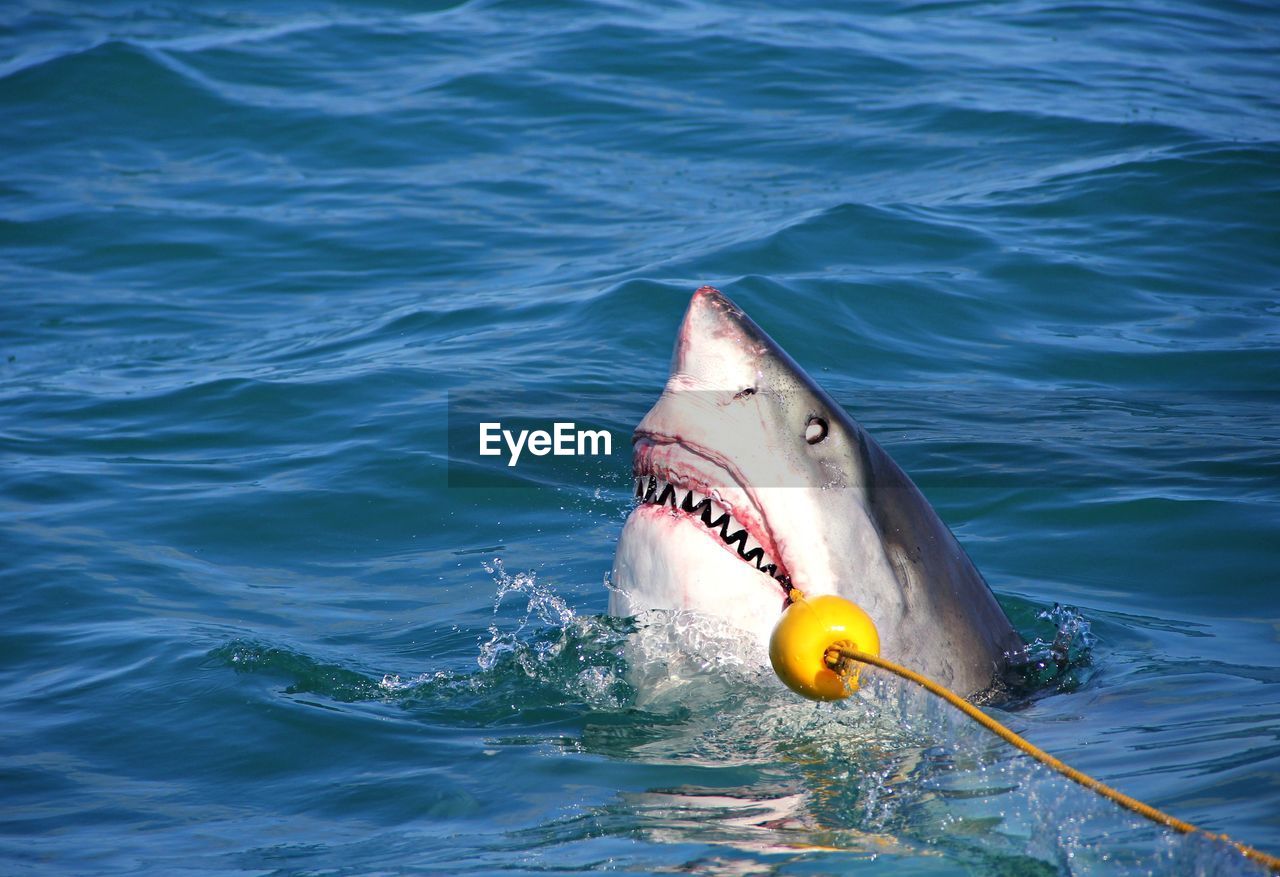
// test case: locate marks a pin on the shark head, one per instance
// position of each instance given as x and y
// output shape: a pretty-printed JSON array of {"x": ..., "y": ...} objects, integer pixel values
[{"x": 750, "y": 479}]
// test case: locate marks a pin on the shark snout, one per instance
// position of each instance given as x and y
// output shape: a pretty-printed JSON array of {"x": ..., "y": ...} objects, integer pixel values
[{"x": 718, "y": 345}]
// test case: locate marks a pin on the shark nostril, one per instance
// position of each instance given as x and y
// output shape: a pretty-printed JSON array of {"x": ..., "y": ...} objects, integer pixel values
[{"x": 745, "y": 392}]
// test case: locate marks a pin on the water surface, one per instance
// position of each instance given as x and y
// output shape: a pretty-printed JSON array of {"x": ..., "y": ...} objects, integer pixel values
[{"x": 247, "y": 253}]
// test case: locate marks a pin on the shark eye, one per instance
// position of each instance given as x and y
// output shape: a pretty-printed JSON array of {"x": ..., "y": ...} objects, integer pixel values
[
  {"x": 745, "y": 392},
  {"x": 815, "y": 431}
]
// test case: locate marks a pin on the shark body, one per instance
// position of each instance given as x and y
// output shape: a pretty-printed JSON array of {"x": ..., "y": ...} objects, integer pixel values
[{"x": 751, "y": 479}]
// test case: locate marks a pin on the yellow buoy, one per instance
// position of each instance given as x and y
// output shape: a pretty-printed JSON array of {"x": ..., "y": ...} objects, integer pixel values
[{"x": 807, "y": 629}]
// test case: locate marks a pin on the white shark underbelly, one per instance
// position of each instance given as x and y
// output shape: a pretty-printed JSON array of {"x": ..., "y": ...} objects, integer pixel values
[{"x": 664, "y": 562}]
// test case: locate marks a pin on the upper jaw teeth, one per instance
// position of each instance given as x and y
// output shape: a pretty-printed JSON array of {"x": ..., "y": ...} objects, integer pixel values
[{"x": 653, "y": 490}]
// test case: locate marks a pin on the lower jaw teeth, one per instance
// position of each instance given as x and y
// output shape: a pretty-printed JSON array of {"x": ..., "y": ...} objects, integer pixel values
[{"x": 652, "y": 491}]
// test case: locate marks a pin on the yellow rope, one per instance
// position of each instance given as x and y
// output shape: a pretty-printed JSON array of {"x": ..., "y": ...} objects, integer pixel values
[{"x": 837, "y": 657}]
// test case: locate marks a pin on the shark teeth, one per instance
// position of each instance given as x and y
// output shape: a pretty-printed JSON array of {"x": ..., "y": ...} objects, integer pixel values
[{"x": 651, "y": 490}]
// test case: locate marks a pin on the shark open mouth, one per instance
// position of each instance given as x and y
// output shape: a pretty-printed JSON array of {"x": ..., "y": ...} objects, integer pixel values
[{"x": 744, "y": 533}]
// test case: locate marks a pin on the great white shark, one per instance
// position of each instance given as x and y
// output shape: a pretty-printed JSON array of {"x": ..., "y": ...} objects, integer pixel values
[{"x": 752, "y": 480}]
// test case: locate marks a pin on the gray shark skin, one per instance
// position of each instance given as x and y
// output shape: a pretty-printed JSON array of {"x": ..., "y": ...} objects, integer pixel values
[{"x": 749, "y": 476}]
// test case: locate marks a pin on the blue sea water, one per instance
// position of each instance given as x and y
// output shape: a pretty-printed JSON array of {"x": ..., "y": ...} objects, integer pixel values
[{"x": 254, "y": 624}]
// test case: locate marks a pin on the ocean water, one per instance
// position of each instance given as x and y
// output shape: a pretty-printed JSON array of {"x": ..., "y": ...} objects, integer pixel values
[{"x": 255, "y": 621}]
